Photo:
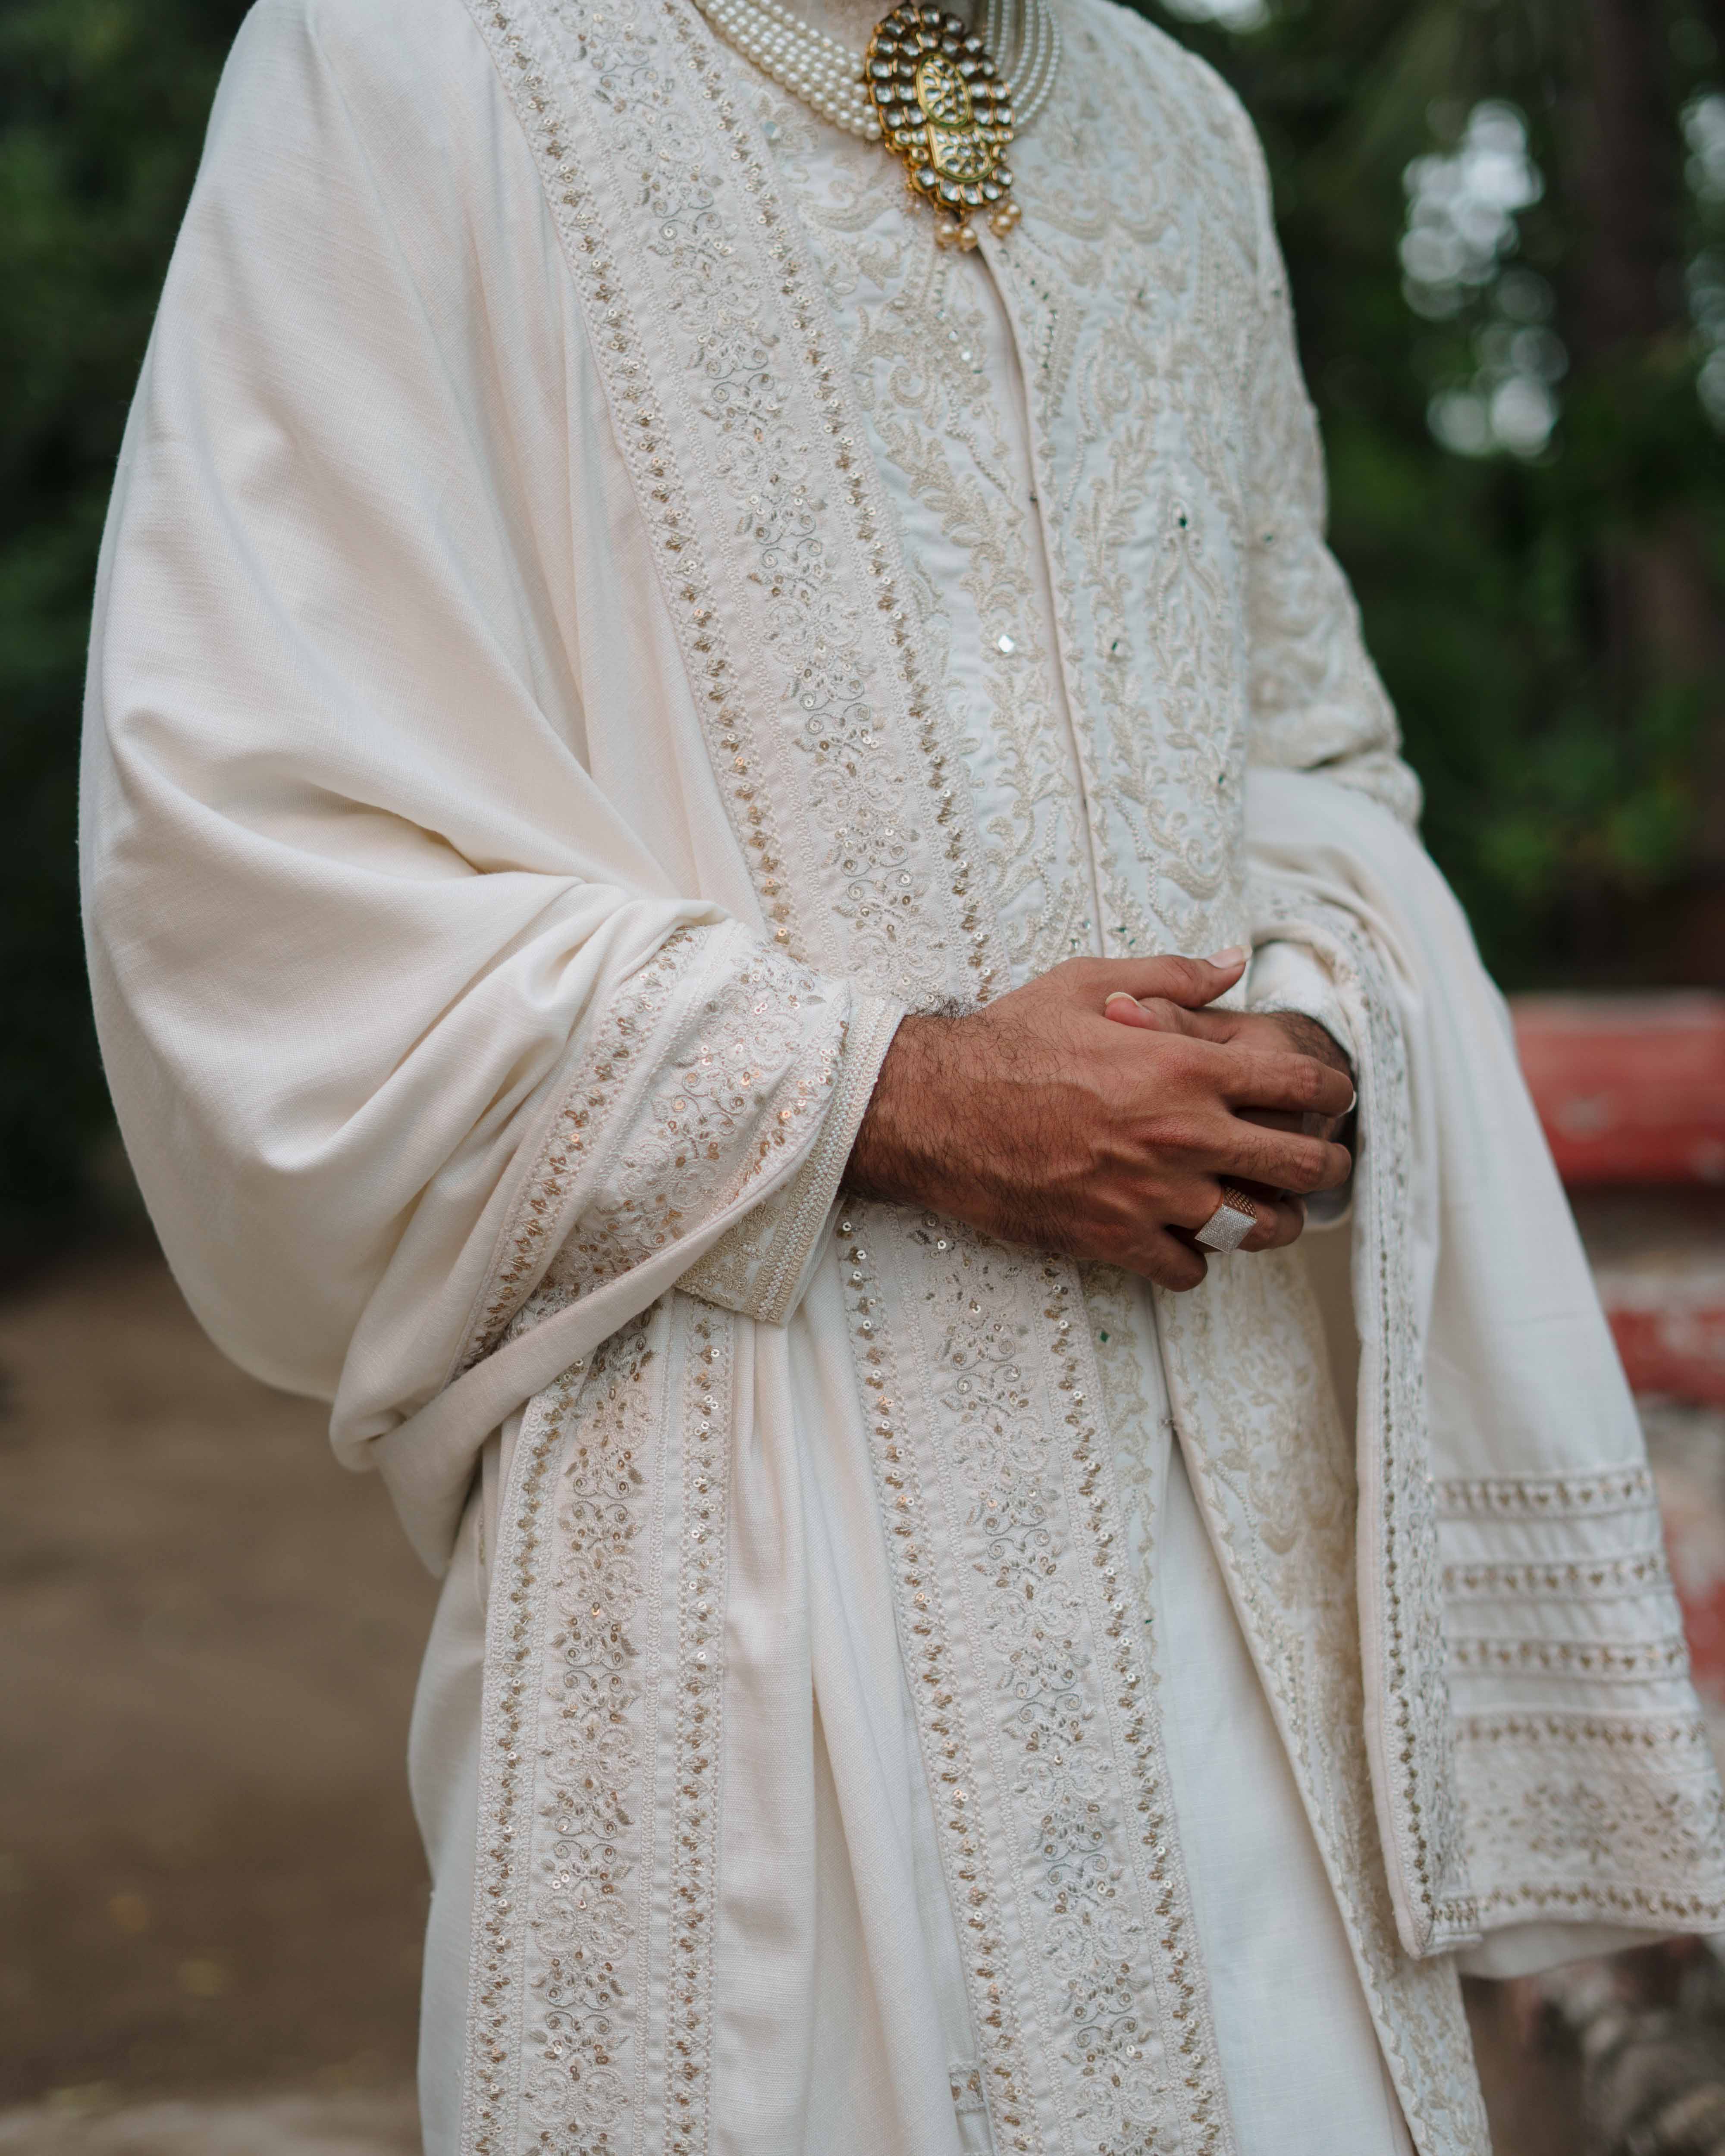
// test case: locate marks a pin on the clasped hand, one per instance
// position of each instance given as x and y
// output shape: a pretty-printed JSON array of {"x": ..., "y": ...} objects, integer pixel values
[{"x": 1105, "y": 1129}]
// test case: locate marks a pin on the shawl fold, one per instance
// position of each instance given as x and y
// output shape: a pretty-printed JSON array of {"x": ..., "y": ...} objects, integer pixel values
[
  {"x": 1494, "y": 1417},
  {"x": 398, "y": 1005}
]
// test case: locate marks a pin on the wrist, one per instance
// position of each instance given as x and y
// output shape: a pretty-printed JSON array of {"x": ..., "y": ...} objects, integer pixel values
[
  {"x": 897, "y": 1141},
  {"x": 1308, "y": 1036}
]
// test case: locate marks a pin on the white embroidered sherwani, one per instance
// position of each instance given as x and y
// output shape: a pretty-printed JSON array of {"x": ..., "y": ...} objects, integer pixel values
[{"x": 599, "y": 618}]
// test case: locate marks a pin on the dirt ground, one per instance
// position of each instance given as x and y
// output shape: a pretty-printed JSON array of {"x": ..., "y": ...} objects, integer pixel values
[
  {"x": 209, "y": 1876},
  {"x": 210, "y": 1889}
]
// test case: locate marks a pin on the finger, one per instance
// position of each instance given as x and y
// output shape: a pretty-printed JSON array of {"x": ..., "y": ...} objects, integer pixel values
[
  {"x": 1126, "y": 1010},
  {"x": 1169, "y": 1262},
  {"x": 1284, "y": 1119},
  {"x": 1191, "y": 983},
  {"x": 1279, "y": 1217},
  {"x": 1159, "y": 1015},
  {"x": 1281, "y": 1221},
  {"x": 1256, "y": 1078},
  {"x": 1287, "y": 1119},
  {"x": 1285, "y": 1160}
]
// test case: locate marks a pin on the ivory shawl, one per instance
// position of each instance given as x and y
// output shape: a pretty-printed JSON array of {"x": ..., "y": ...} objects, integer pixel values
[{"x": 520, "y": 804}]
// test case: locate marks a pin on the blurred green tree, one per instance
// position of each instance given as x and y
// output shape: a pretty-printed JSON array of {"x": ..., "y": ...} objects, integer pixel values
[
  {"x": 1505, "y": 222},
  {"x": 102, "y": 107}
]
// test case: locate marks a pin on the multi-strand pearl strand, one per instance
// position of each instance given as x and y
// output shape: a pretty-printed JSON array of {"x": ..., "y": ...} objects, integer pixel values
[
  {"x": 797, "y": 57},
  {"x": 1025, "y": 40},
  {"x": 829, "y": 76}
]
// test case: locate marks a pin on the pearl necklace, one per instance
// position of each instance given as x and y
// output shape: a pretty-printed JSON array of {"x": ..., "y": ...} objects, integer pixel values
[{"x": 928, "y": 89}]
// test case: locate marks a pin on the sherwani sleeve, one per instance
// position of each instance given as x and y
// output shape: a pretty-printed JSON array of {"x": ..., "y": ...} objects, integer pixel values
[
  {"x": 1316, "y": 703},
  {"x": 412, "y": 1031}
]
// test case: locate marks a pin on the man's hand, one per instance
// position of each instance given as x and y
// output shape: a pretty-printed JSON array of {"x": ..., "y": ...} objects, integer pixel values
[
  {"x": 1040, "y": 1121},
  {"x": 1267, "y": 1030},
  {"x": 1271, "y": 1030}
]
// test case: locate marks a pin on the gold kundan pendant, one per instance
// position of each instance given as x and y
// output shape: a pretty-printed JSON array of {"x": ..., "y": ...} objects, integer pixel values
[{"x": 944, "y": 110}]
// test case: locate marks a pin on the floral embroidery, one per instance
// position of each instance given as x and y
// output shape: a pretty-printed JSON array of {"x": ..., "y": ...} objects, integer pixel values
[
  {"x": 742, "y": 1070},
  {"x": 1409, "y": 1733},
  {"x": 700, "y": 1725},
  {"x": 1126, "y": 290},
  {"x": 1120, "y": 1319},
  {"x": 932, "y": 1665},
  {"x": 613, "y": 1555},
  {"x": 822, "y": 725},
  {"x": 1274, "y": 1470},
  {"x": 581, "y": 1904},
  {"x": 1315, "y": 695},
  {"x": 1001, "y": 1457},
  {"x": 1598, "y": 1798},
  {"x": 756, "y": 1268},
  {"x": 926, "y": 331},
  {"x": 1119, "y": 1620},
  {"x": 556, "y": 1984},
  {"x": 1598, "y": 1816},
  {"x": 712, "y": 1062},
  {"x": 587, "y": 1106}
]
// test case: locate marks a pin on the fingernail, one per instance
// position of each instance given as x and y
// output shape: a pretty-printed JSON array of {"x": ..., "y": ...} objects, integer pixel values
[
  {"x": 1119, "y": 996},
  {"x": 1235, "y": 955}
]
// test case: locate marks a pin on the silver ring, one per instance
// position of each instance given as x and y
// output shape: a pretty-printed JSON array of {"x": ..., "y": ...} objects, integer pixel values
[{"x": 1233, "y": 1221}]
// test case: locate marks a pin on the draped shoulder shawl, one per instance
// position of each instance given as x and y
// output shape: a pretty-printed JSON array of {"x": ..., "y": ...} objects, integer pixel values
[{"x": 519, "y": 807}]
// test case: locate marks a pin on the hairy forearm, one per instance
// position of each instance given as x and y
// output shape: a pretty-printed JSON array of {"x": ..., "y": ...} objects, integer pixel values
[
  {"x": 971, "y": 1117},
  {"x": 895, "y": 1155}
]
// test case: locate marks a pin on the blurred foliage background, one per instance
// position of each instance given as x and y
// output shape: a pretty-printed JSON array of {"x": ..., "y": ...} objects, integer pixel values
[{"x": 1505, "y": 222}]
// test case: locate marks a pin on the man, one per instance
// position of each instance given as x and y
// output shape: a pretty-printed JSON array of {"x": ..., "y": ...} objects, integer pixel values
[{"x": 668, "y": 720}]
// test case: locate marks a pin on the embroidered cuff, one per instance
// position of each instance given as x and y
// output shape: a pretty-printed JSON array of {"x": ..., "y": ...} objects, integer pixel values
[
  {"x": 707, "y": 1072},
  {"x": 1291, "y": 977},
  {"x": 763, "y": 1265}
]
